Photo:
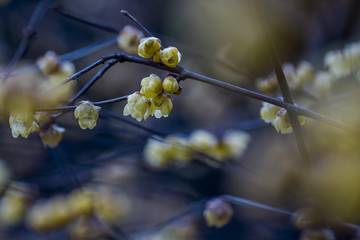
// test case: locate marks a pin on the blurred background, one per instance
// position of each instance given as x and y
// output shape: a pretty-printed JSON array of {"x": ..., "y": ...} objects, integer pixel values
[{"x": 221, "y": 39}]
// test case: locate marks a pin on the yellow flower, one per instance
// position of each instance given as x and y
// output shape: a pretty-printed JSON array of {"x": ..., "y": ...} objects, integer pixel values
[
  {"x": 170, "y": 85},
  {"x": 170, "y": 56},
  {"x": 236, "y": 142},
  {"x": 158, "y": 154},
  {"x": 278, "y": 117},
  {"x": 110, "y": 206},
  {"x": 137, "y": 106},
  {"x": 323, "y": 83},
  {"x": 49, "y": 63},
  {"x": 12, "y": 207},
  {"x": 22, "y": 123},
  {"x": 281, "y": 122},
  {"x": 52, "y": 214},
  {"x": 304, "y": 73},
  {"x": 268, "y": 112},
  {"x": 87, "y": 114},
  {"x": 218, "y": 213},
  {"x": 202, "y": 140},
  {"x": 161, "y": 106},
  {"x": 52, "y": 136},
  {"x": 80, "y": 202},
  {"x": 151, "y": 86},
  {"x": 148, "y": 47},
  {"x": 129, "y": 38}
]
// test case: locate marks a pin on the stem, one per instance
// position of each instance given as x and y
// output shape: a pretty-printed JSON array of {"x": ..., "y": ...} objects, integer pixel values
[
  {"x": 83, "y": 71},
  {"x": 97, "y": 23},
  {"x": 66, "y": 108},
  {"x": 127, "y": 14},
  {"x": 29, "y": 33},
  {"x": 284, "y": 88},
  {"x": 298, "y": 110},
  {"x": 92, "y": 81}
]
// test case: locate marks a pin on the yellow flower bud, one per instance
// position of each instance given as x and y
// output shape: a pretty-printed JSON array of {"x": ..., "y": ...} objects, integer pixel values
[
  {"x": 170, "y": 85},
  {"x": 148, "y": 47},
  {"x": 218, "y": 213},
  {"x": 22, "y": 123},
  {"x": 161, "y": 105},
  {"x": 170, "y": 56},
  {"x": 52, "y": 136},
  {"x": 87, "y": 114},
  {"x": 49, "y": 63},
  {"x": 129, "y": 38},
  {"x": 137, "y": 106},
  {"x": 151, "y": 86}
]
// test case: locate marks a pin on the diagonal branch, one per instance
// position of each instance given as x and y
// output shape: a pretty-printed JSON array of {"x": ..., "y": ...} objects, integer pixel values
[
  {"x": 28, "y": 35},
  {"x": 284, "y": 88}
]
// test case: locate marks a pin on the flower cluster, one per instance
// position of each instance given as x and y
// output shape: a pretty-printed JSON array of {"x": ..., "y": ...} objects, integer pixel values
[
  {"x": 103, "y": 203},
  {"x": 153, "y": 98},
  {"x": 151, "y": 47},
  {"x": 342, "y": 63},
  {"x": 129, "y": 39},
  {"x": 87, "y": 114},
  {"x": 179, "y": 150},
  {"x": 278, "y": 117},
  {"x": 218, "y": 213},
  {"x": 338, "y": 63}
]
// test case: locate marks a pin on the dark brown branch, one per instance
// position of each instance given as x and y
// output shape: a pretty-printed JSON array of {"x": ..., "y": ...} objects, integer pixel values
[
  {"x": 92, "y": 81},
  {"x": 125, "y": 13},
  {"x": 284, "y": 88},
  {"x": 67, "y": 108},
  {"x": 83, "y": 71},
  {"x": 97, "y": 23},
  {"x": 28, "y": 35},
  {"x": 300, "y": 111}
]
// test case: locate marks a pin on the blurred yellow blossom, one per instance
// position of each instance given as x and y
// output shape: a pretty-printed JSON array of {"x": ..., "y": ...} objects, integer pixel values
[
  {"x": 52, "y": 136},
  {"x": 129, "y": 39}
]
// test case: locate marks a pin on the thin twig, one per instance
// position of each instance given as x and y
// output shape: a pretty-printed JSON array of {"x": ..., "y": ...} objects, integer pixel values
[
  {"x": 97, "y": 23},
  {"x": 92, "y": 81},
  {"x": 83, "y": 71},
  {"x": 29, "y": 33},
  {"x": 284, "y": 88},
  {"x": 66, "y": 108},
  {"x": 125, "y": 13}
]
